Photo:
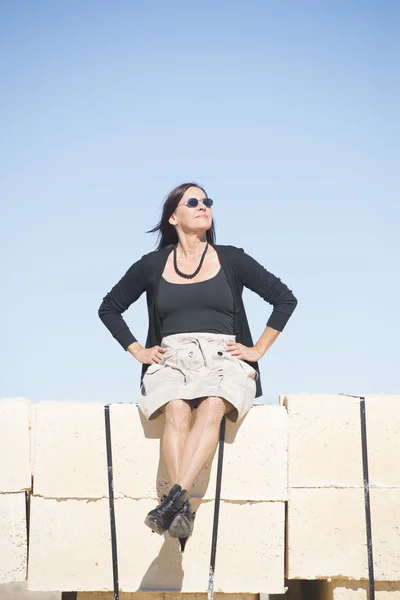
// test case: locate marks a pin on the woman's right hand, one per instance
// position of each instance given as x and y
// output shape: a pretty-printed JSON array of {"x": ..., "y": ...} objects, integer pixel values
[{"x": 147, "y": 356}]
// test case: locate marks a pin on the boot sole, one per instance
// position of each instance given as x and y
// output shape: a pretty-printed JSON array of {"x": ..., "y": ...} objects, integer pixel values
[
  {"x": 154, "y": 525},
  {"x": 180, "y": 527}
]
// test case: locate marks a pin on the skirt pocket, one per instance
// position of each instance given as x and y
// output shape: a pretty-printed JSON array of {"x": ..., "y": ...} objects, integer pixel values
[
  {"x": 148, "y": 381},
  {"x": 154, "y": 368},
  {"x": 169, "y": 354},
  {"x": 250, "y": 371}
]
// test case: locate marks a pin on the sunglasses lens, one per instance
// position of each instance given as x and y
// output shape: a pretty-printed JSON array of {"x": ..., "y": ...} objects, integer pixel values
[{"x": 193, "y": 202}]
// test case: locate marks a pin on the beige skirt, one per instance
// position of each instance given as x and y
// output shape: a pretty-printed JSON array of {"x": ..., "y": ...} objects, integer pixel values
[{"x": 197, "y": 365}]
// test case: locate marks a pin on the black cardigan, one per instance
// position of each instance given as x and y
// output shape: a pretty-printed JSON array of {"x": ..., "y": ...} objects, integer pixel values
[{"x": 240, "y": 270}]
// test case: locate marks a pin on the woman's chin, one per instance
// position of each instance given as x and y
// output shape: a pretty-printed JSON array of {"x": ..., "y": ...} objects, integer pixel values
[{"x": 202, "y": 225}]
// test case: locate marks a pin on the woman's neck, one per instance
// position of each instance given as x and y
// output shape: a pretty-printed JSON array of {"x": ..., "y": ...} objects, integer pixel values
[{"x": 190, "y": 247}]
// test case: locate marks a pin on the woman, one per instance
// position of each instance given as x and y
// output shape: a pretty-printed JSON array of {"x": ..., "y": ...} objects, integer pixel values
[{"x": 199, "y": 351}]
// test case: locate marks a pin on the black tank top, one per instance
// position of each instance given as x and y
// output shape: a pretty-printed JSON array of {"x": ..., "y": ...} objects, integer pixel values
[{"x": 206, "y": 306}]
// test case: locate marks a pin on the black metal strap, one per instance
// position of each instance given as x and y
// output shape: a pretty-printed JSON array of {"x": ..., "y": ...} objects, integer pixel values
[
  {"x": 111, "y": 501},
  {"x": 216, "y": 509},
  {"x": 69, "y": 595},
  {"x": 367, "y": 501}
]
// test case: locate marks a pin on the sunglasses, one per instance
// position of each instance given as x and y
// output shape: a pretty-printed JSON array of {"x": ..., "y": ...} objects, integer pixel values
[{"x": 193, "y": 202}]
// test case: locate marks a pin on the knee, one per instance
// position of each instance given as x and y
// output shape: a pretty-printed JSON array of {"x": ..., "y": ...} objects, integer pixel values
[
  {"x": 178, "y": 414},
  {"x": 211, "y": 410}
]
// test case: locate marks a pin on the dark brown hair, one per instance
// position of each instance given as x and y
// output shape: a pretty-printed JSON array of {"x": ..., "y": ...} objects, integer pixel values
[{"x": 166, "y": 232}]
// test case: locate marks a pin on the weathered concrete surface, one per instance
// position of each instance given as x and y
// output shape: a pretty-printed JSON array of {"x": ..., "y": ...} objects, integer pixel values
[
  {"x": 15, "y": 471},
  {"x": 327, "y": 535},
  {"x": 242, "y": 562},
  {"x": 70, "y": 454},
  {"x": 325, "y": 440},
  {"x": 70, "y": 548},
  {"x": 383, "y": 427},
  {"x": 18, "y": 591},
  {"x": 13, "y": 539},
  {"x": 163, "y": 596},
  {"x": 359, "y": 590}
]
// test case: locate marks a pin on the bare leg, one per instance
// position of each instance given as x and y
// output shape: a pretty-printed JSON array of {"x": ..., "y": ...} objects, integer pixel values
[
  {"x": 202, "y": 439},
  {"x": 178, "y": 415}
]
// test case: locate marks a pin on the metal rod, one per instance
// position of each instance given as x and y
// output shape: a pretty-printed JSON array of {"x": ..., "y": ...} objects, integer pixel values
[
  {"x": 111, "y": 502},
  {"x": 367, "y": 500},
  {"x": 216, "y": 509}
]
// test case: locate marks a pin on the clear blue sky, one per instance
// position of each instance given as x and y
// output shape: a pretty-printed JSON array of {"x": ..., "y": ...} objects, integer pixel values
[{"x": 286, "y": 112}]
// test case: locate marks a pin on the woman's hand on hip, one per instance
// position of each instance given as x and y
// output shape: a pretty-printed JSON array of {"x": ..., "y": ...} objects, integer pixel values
[
  {"x": 149, "y": 356},
  {"x": 243, "y": 352}
]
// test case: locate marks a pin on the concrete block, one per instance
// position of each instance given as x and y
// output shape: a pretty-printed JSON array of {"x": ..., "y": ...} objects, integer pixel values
[
  {"x": 359, "y": 590},
  {"x": 13, "y": 539},
  {"x": 324, "y": 441},
  {"x": 70, "y": 548},
  {"x": 69, "y": 545},
  {"x": 163, "y": 596},
  {"x": 163, "y": 567},
  {"x": 385, "y": 516},
  {"x": 327, "y": 534},
  {"x": 383, "y": 426},
  {"x": 18, "y": 591},
  {"x": 15, "y": 469},
  {"x": 69, "y": 456},
  {"x": 138, "y": 469},
  {"x": 251, "y": 548},
  {"x": 255, "y": 456}
]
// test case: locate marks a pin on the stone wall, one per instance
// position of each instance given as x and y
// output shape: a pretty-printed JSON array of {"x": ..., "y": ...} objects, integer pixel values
[
  {"x": 292, "y": 501},
  {"x": 326, "y": 525}
]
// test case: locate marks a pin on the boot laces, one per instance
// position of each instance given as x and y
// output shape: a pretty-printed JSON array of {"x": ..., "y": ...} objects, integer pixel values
[{"x": 170, "y": 511}]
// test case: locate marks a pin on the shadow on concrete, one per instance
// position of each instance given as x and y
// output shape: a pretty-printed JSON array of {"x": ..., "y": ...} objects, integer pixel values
[{"x": 165, "y": 572}]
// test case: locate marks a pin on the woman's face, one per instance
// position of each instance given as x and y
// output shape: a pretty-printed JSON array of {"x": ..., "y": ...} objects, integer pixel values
[{"x": 188, "y": 219}]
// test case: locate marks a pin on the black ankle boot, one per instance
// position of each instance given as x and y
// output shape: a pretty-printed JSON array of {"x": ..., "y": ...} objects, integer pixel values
[
  {"x": 182, "y": 525},
  {"x": 160, "y": 518}
]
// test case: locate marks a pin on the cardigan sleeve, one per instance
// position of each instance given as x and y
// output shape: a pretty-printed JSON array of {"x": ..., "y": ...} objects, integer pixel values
[
  {"x": 128, "y": 289},
  {"x": 255, "y": 277}
]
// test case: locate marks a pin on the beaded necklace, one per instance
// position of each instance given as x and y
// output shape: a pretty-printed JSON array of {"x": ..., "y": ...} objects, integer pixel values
[{"x": 189, "y": 275}]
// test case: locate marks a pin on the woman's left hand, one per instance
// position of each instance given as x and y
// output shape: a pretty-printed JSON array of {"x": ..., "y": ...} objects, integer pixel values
[{"x": 243, "y": 352}]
